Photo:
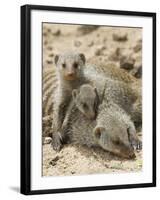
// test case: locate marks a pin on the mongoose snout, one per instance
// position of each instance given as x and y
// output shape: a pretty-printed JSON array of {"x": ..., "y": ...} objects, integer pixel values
[
  {"x": 113, "y": 141},
  {"x": 70, "y": 75}
]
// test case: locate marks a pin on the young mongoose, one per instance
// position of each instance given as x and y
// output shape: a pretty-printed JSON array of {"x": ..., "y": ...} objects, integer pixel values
[
  {"x": 70, "y": 76},
  {"x": 111, "y": 119},
  {"x": 86, "y": 100},
  {"x": 113, "y": 129},
  {"x": 116, "y": 120}
]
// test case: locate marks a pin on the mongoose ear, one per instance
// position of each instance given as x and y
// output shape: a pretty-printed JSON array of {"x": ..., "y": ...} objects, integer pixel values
[
  {"x": 56, "y": 59},
  {"x": 98, "y": 132},
  {"x": 82, "y": 56},
  {"x": 74, "y": 93}
]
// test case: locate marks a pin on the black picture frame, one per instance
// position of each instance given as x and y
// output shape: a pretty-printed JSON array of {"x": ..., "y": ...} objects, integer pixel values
[{"x": 25, "y": 183}]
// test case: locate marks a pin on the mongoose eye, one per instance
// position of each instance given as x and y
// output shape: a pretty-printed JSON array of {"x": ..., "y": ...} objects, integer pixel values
[
  {"x": 63, "y": 65},
  {"x": 85, "y": 106},
  {"x": 75, "y": 65}
]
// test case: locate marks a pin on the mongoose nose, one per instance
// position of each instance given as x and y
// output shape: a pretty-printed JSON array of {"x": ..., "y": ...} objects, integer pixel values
[{"x": 70, "y": 74}]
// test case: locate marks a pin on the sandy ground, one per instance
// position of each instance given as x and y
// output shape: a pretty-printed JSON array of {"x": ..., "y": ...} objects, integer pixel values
[
  {"x": 77, "y": 159},
  {"x": 122, "y": 47}
]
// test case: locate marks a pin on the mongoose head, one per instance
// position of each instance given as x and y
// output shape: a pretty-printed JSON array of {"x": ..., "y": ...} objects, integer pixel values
[
  {"x": 86, "y": 100},
  {"x": 115, "y": 140},
  {"x": 70, "y": 65}
]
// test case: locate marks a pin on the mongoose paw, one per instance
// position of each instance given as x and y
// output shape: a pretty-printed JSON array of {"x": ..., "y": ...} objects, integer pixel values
[{"x": 56, "y": 142}]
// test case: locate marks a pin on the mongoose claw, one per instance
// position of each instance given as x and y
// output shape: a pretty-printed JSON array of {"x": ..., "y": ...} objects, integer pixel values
[
  {"x": 139, "y": 145},
  {"x": 56, "y": 142},
  {"x": 136, "y": 144}
]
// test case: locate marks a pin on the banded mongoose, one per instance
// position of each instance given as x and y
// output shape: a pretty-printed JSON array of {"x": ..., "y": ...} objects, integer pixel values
[
  {"x": 71, "y": 75},
  {"x": 113, "y": 129},
  {"x": 87, "y": 101}
]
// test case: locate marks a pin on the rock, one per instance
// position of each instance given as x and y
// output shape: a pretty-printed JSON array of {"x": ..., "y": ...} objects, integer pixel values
[
  {"x": 57, "y": 33},
  {"x": 45, "y": 42},
  {"x": 49, "y": 48},
  {"x": 99, "y": 51},
  {"x": 138, "y": 74},
  {"x": 86, "y": 29},
  {"x": 137, "y": 71},
  {"x": 77, "y": 43},
  {"x": 120, "y": 37},
  {"x": 51, "y": 55},
  {"x": 137, "y": 48},
  {"x": 91, "y": 43},
  {"x": 49, "y": 62},
  {"x": 53, "y": 162},
  {"x": 49, "y": 30},
  {"x": 127, "y": 63},
  {"x": 116, "y": 55},
  {"x": 44, "y": 34}
]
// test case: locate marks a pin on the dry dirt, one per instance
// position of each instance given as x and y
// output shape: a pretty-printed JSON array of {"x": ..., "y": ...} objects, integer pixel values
[{"x": 120, "y": 46}]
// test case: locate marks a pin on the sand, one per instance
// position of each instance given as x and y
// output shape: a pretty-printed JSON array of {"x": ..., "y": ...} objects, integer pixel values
[{"x": 119, "y": 46}]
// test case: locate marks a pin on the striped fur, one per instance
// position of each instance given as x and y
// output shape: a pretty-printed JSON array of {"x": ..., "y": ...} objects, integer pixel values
[{"x": 50, "y": 84}]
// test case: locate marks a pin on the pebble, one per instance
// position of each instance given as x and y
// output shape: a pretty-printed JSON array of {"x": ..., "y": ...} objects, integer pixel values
[
  {"x": 49, "y": 30},
  {"x": 49, "y": 48},
  {"x": 116, "y": 55},
  {"x": 137, "y": 48},
  {"x": 77, "y": 43},
  {"x": 127, "y": 63},
  {"x": 45, "y": 42},
  {"x": 49, "y": 62},
  {"x": 137, "y": 71},
  {"x": 51, "y": 55},
  {"x": 86, "y": 29},
  {"x": 44, "y": 34},
  {"x": 99, "y": 51},
  {"x": 53, "y": 162},
  {"x": 120, "y": 37},
  {"x": 57, "y": 33},
  {"x": 90, "y": 44}
]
